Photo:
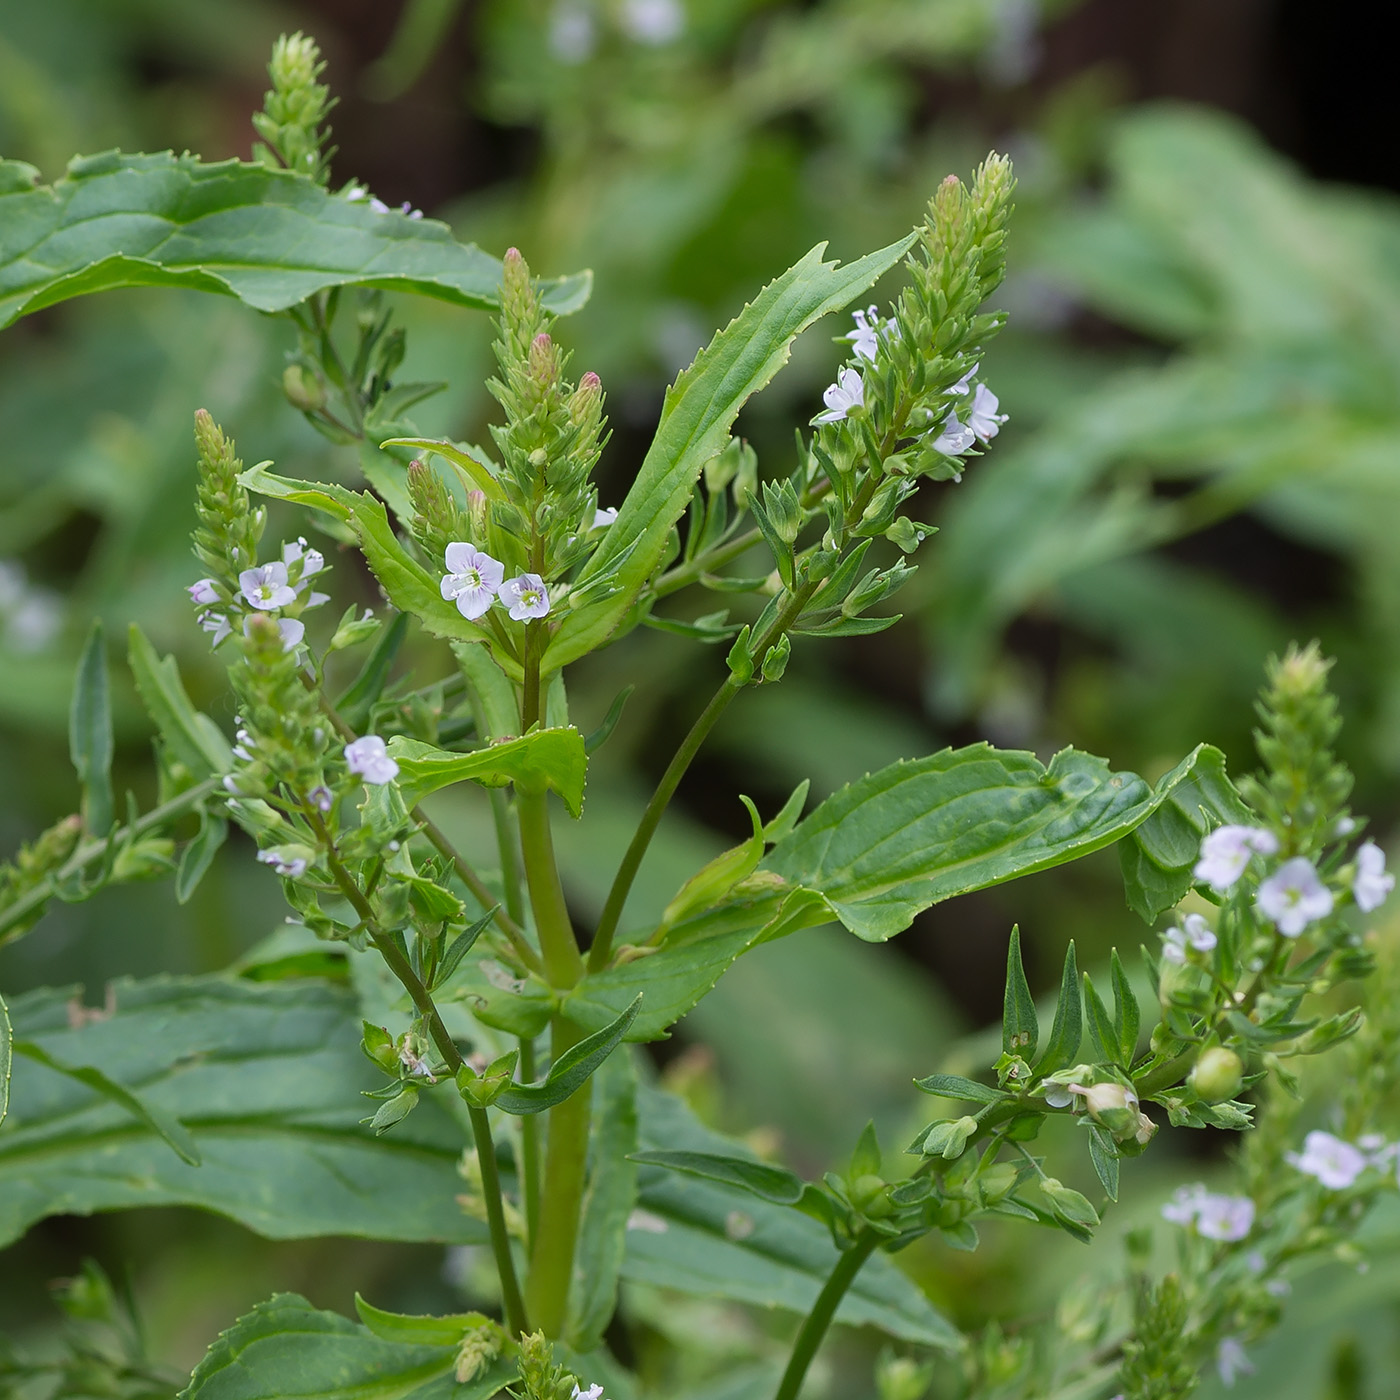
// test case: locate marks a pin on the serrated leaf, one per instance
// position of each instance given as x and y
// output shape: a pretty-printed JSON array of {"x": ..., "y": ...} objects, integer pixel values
[
  {"x": 1126, "y": 1016},
  {"x": 570, "y": 1071},
  {"x": 1067, "y": 1030},
  {"x": 768, "y": 1183},
  {"x": 90, "y": 733},
  {"x": 1020, "y": 1027},
  {"x": 954, "y": 1086},
  {"x": 698, "y": 412},
  {"x": 199, "y": 854},
  {"x": 193, "y": 738},
  {"x": 265, "y": 1076},
  {"x": 899, "y": 840},
  {"x": 269, "y": 237},
  {"x": 284, "y": 1349},
  {"x": 544, "y": 758},
  {"x": 708, "y": 1238},
  {"x": 1100, "y": 1025}
]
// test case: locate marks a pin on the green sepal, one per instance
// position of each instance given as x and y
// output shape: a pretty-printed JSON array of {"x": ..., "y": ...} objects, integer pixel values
[
  {"x": 396, "y": 1110},
  {"x": 199, "y": 854}
]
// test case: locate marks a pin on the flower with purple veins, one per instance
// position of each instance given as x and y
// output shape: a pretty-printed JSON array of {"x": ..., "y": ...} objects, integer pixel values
[
  {"x": 956, "y": 437},
  {"x": 1371, "y": 885},
  {"x": 203, "y": 591},
  {"x": 982, "y": 416},
  {"x": 1194, "y": 933},
  {"x": 266, "y": 586},
  {"x": 840, "y": 398},
  {"x": 472, "y": 580},
  {"x": 216, "y": 623},
  {"x": 290, "y": 867},
  {"x": 865, "y": 339},
  {"x": 369, "y": 758},
  {"x": 320, "y": 798},
  {"x": 1226, "y": 852},
  {"x": 1293, "y": 896},
  {"x": 526, "y": 596}
]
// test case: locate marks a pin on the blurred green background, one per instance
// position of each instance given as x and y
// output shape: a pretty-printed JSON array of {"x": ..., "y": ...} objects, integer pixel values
[{"x": 1203, "y": 460}]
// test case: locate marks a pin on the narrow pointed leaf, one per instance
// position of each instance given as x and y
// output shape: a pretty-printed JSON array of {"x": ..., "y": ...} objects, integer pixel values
[
  {"x": 269, "y": 237},
  {"x": 1067, "y": 1029},
  {"x": 1020, "y": 1027},
  {"x": 90, "y": 733},
  {"x": 570, "y": 1071},
  {"x": 1105, "y": 1160},
  {"x": 477, "y": 474},
  {"x": 954, "y": 1086},
  {"x": 1126, "y": 1015},
  {"x": 1100, "y": 1024},
  {"x": 199, "y": 855},
  {"x": 416, "y": 1330},
  {"x": 460, "y": 947},
  {"x": 768, "y": 1183},
  {"x": 192, "y": 737},
  {"x": 544, "y": 758}
]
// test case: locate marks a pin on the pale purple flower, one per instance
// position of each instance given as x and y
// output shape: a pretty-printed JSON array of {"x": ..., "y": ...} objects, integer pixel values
[
  {"x": 1293, "y": 896},
  {"x": 865, "y": 339},
  {"x": 1227, "y": 1218},
  {"x": 216, "y": 623},
  {"x": 955, "y": 439},
  {"x": 416, "y": 1065},
  {"x": 594, "y": 1392},
  {"x": 473, "y": 578},
  {"x": 963, "y": 384},
  {"x": 840, "y": 398},
  {"x": 203, "y": 591},
  {"x": 240, "y": 748},
  {"x": 1336, "y": 1164},
  {"x": 1194, "y": 933},
  {"x": 526, "y": 596},
  {"x": 652, "y": 22},
  {"x": 320, "y": 798},
  {"x": 289, "y": 866},
  {"x": 378, "y": 205},
  {"x": 1226, "y": 852},
  {"x": 1345, "y": 826},
  {"x": 293, "y": 631},
  {"x": 1231, "y": 1361},
  {"x": 1372, "y": 884},
  {"x": 312, "y": 560},
  {"x": 266, "y": 586},
  {"x": 604, "y": 515},
  {"x": 982, "y": 415},
  {"x": 1184, "y": 1204},
  {"x": 370, "y": 760}
]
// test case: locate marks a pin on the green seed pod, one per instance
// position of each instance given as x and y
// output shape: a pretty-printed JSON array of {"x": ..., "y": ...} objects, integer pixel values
[{"x": 1217, "y": 1075}]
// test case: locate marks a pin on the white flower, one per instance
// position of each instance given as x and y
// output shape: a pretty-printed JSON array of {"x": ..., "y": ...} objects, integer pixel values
[
  {"x": 652, "y": 22},
  {"x": 1194, "y": 932},
  {"x": 1224, "y": 1217},
  {"x": 1336, "y": 1164},
  {"x": 368, "y": 758},
  {"x": 203, "y": 591},
  {"x": 1232, "y": 1362},
  {"x": 956, "y": 437},
  {"x": 312, "y": 560},
  {"x": 473, "y": 578},
  {"x": 594, "y": 1392},
  {"x": 526, "y": 596},
  {"x": 285, "y": 864},
  {"x": 216, "y": 623},
  {"x": 605, "y": 515},
  {"x": 982, "y": 416},
  {"x": 1345, "y": 826},
  {"x": 293, "y": 631},
  {"x": 961, "y": 387},
  {"x": 1184, "y": 1204},
  {"x": 1226, "y": 852},
  {"x": 378, "y": 205},
  {"x": 840, "y": 398},
  {"x": 865, "y": 339},
  {"x": 266, "y": 586},
  {"x": 1372, "y": 884},
  {"x": 1293, "y": 896}
]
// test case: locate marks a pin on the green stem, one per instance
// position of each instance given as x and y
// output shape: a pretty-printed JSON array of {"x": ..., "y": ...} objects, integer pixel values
[
  {"x": 529, "y": 1145},
  {"x": 510, "y": 863},
  {"x": 84, "y": 856},
  {"x": 815, "y": 1324}
]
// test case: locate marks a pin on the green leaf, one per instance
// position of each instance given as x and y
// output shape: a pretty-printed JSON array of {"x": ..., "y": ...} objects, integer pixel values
[
  {"x": 460, "y": 947},
  {"x": 193, "y": 738},
  {"x": 265, "y": 1076},
  {"x": 1157, "y": 858},
  {"x": 287, "y": 1350},
  {"x": 90, "y": 733},
  {"x": 768, "y": 1183},
  {"x": 899, "y": 840},
  {"x": 417, "y": 1330},
  {"x": 709, "y": 1238},
  {"x": 699, "y": 410},
  {"x": 165, "y": 1125},
  {"x": 1020, "y": 1027},
  {"x": 268, "y": 237},
  {"x": 199, "y": 855},
  {"x": 477, "y": 474},
  {"x": 1126, "y": 1016},
  {"x": 6, "y": 1042},
  {"x": 544, "y": 758},
  {"x": 1104, "y": 1155},
  {"x": 1101, "y": 1026},
  {"x": 1067, "y": 1030},
  {"x": 954, "y": 1086},
  {"x": 570, "y": 1071},
  {"x": 607, "y": 1206}
]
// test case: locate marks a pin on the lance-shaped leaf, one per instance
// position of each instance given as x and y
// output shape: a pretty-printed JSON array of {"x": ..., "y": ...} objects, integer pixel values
[
  {"x": 904, "y": 838},
  {"x": 768, "y": 1183},
  {"x": 1126, "y": 1015},
  {"x": 285, "y": 1349},
  {"x": 570, "y": 1071},
  {"x": 1068, "y": 1027},
  {"x": 199, "y": 855},
  {"x": 271, "y": 238},
  {"x": 699, "y": 410},
  {"x": 954, "y": 1086},
  {"x": 1158, "y": 856},
  {"x": 267, "y": 1079},
  {"x": 192, "y": 737},
  {"x": 709, "y": 1238},
  {"x": 1020, "y": 1027},
  {"x": 545, "y": 758},
  {"x": 90, "y": 733}
]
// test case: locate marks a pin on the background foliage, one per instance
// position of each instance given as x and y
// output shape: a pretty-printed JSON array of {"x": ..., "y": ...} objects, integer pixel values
[{"x": 1202, "y": 373}]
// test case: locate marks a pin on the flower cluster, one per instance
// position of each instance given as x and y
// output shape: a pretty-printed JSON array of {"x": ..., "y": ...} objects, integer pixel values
[
  {"x": 266, "y": 588},
  {"x": 474, "y": 580},
  {"x": 1337, "y": 1163}
]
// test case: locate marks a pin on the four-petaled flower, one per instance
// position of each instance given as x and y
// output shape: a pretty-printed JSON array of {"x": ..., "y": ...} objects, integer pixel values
[
  {"x": 594, "y": 1392},
  {"x": 1372, "y": 884},
  {"x": 840, "y": 398},
  {"x": 526, "y": 596},
  {"x": 604, "y": 515},
  {"x": 1336, "y": 1164},
  {"x": 473, "y": 578},
  {"x": 982, "y": 416},
  {"x": 1226, "y": 852},
  {"x": 956, "y": 437},
  {"x": 369, "y": 759},
  {"x": 1231, "y": 1361},
  {"x": 203, "y": 591},
  {"x": 1194, "y": 932},
  {"x": 1293, "y": 896},
  {"x": 287, "y": 865},
  {"x": 866, "y": 336},
  {"x": 266, "y": 586}
]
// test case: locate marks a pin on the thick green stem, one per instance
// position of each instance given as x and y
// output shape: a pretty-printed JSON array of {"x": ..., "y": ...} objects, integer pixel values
[
  {"x": 561, "y": 1203},
  {"x": 815, "y": 1324}
]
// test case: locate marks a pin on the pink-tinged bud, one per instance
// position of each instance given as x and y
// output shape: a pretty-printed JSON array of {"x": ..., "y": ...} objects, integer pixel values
[
  {"x": 541, "y": 342},
  {"x": 512, "y": 255},
  {"x": 590, "y": 382},
  {"x": 476, "y": 513}
]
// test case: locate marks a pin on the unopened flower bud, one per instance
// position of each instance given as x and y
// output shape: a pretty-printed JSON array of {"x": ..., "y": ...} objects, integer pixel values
[
  {"x": 1146, "y": 1130},
  {"x": 476, "y": 513},
  {"x": 1217, "y": 1075},
  {"x": 303, "y": 390},
  {"x": 868, "y": 1195},
  {"x": 1112, "y": 1105}
]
